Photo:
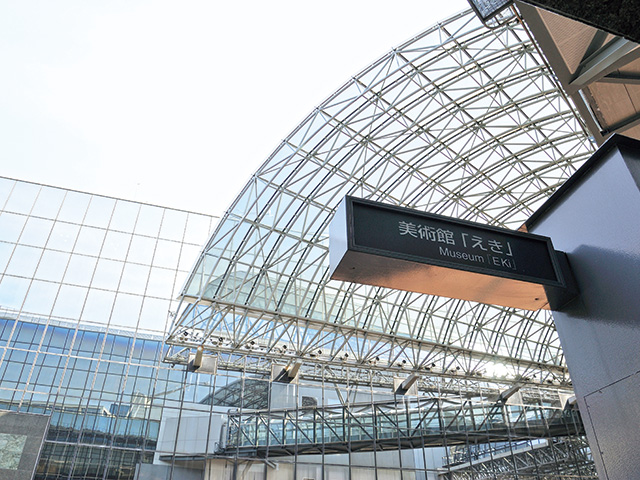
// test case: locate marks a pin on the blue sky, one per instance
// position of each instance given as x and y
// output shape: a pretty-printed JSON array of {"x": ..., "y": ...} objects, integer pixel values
[{"x": 177, "y": 103}]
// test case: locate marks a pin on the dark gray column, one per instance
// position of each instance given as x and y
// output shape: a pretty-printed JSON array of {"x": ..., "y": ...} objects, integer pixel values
[
  {"x": 21, "y": 439},
  {"x": 595, "y": 219}
]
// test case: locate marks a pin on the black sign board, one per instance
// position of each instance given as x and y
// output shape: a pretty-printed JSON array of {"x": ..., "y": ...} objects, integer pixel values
[
  {"x": 396, "y": 247},
  {"x": 486, "y": 9}
]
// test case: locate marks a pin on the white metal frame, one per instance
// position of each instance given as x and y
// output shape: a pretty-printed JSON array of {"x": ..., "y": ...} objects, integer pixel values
[{"x": 461, "y": 120}]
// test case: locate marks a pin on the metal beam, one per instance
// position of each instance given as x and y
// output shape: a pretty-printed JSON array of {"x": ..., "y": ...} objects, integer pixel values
[
  {"x": 614, "y": 54},
  {"x": 508, "y": 393},
  {"x": 292, "y": 370},
  {"x": 624, "y": 124},
  {"x": 625, "y": 78},
  {"x": 407, "y": 383}
]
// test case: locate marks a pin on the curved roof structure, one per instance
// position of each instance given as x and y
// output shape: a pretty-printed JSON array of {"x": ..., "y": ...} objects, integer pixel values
[{"x": 461, "y": 120}]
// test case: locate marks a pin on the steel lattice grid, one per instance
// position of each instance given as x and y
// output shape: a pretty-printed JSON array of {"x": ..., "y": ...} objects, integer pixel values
[{"x": 461, "y": 120}]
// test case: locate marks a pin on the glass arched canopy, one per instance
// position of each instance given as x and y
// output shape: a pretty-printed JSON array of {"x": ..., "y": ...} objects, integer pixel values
[{"x": 461, "y": 120}]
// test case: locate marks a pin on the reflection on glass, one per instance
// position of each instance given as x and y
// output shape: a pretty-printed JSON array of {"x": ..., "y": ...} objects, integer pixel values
[
  {"x": 24, "y": 261},
  {"x": 48, "y": 203},
  {"x": 149, "y": 221},
  {"x": 90, "y": 241},
  {"x": 52, "y": 265},
  {"x": 134, "y": 278},
  {"x": 155, "y": 312},
  {"x": 198, "y": 229},
  {"x": 22, "y": 197},
  {"x": 124, "y": 216},
  {"x": 98, "y": 306},
  {"x": 74, "y": 207},
  {"x": 6, "y": 186},
  {"x": 173, "y": 225},
  {"x": 56, "y": 340},
  {"x": 141, "y": 250},
  {"x": 167, "y": 254},
  {"x": 12, "y": 291},
  {"x": 80, "y": 270},
  {"x": 83, "y": 292},
  {"x": 116, "y": 245},
  {"x": 126, "y": 310},
  {"x": 6, "y": 249},
  {"x": 36, "y": 232},
  {"x": 41, "y": 297},
  {"x": 99, "y": 211},
  {"x": 11, "y": 226},
  {"x": 63, "y": 236},
  {"x": 160, "y": 282},
  {"x": 70, "y": 301},
  {"x": 107, "y": 274},
  {"x": 188, "y": 257}
]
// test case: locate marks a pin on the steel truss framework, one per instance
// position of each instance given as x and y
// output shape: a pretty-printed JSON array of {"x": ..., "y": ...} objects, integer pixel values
[
  {"x": 568, "y": 457},
  {"x": 461, "y": 120},
  {"x": 395, "y": 424}
]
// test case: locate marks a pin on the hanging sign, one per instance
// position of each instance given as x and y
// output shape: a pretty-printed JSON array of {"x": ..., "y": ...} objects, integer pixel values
[{"x": 395, "y": 247}]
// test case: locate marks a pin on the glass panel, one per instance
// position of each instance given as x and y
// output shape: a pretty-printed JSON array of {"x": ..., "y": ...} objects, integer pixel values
[
  {"x": 160, "y": 282},
  {"x": 90, "y": 241},
  {"x": 107, "y": 274},
  {"x": 57, "y": 340},
  {"x": 63, "y": 236},
  {"x": 166, "y": 254},
  {"x": 13, "y": 291},
  {"x": 154, "y": 314},
  {"x": 36, "y": 232},
  {"x": 122, "y": 464},
  {"x": 41, "y": 297},
  {"x": 88, "y": 343},
  {"x": 6, "y": 186},
  {"x": 173, "y": 225},
  {"x": 22, "y": 197},
  {"x": 141, "y": 250},
  {"x": 181, "y": 278},
  {"x": 99, "y": 212},
  {"x": 117, "y": 347},
  {"x": 116, "y": 245},
  {"x": 74, "y": 207},
  {"x": 188, "y": 257},
  {"x": 149, "y": 220},
  {"x": 126, "y": 310},
  {"x": 52, "y": 265},
  {"x": 134, "y": 278},
  {"x": 198, "y": 229},
  {"x": 80, "y": 270},
  {"x": 70, "y": 302},
  {"x": 124, "y": 216},
  {"x": 48, "y": 203},
  {"x": 11, "y": 226},
  {"x": 6, "y": 249},
  {"x": 6, "y": 326},
  {"x": 98, "y": 306},
  {"x": 24, "y": 261}
]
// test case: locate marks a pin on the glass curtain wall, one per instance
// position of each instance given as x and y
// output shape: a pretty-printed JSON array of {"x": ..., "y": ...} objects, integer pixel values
[{"x": 87, "y": 288}]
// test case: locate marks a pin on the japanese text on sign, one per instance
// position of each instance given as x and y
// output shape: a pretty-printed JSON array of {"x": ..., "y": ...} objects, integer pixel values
[{"x": 479, "y": 249}]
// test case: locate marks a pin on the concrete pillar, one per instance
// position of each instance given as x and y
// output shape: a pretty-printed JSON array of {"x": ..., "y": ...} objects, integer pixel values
[{"x": 595, "y": 219}]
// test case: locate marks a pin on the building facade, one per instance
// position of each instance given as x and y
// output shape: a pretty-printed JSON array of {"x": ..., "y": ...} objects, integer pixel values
[{"x": 87, "y": 287}]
